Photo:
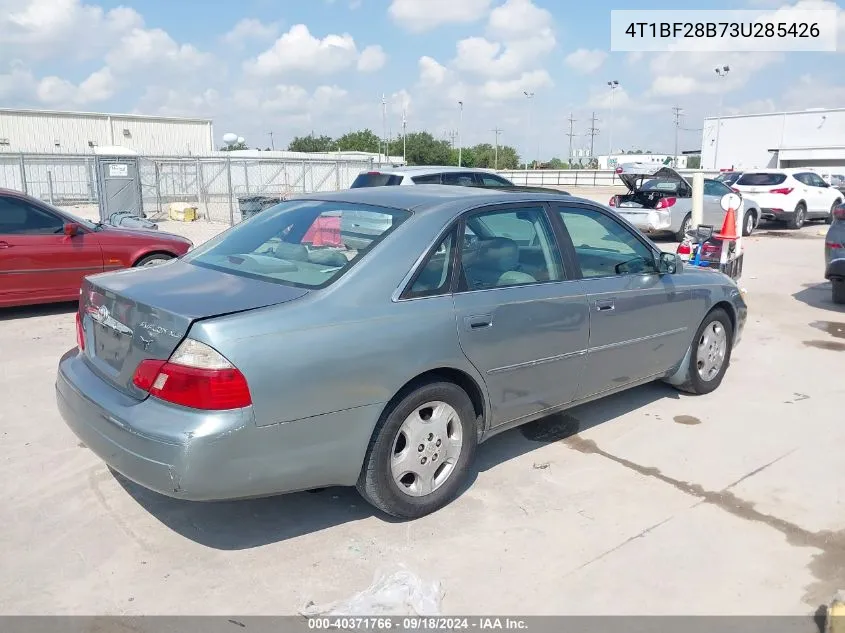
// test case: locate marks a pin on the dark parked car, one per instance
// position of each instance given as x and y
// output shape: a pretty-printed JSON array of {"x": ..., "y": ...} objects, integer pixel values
[
  {"x": 834, "y": 254},
  {"x": 45, "y": 252}
]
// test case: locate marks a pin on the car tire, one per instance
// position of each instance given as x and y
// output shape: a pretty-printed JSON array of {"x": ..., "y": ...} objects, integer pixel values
[
  {"x": 798, "y": 217},
  {"x": 828, "y": 219},
  {"x": 686, "y": 225},
  {"x": 405, "y": 496},
  {"x": 838, "y": 292},
  {"x": 153, "y": 260},
  {"x": 748, "y": 223},
  {"x": 700, "y": 353}
]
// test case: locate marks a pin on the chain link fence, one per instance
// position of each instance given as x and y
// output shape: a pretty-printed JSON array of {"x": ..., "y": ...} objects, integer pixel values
[{"x": 212, "y": 184}]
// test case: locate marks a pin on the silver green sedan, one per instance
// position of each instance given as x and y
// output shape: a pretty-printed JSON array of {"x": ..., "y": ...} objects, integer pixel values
[{"x": 374, "y": 337}]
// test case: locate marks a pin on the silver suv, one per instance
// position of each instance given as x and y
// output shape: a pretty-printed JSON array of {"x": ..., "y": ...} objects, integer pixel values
[{"x": 430, "y": 175}]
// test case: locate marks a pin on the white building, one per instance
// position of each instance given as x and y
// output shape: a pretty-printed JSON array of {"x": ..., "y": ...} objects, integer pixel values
[
  {"x": 615, "y": 160},
  {"x": 809, "y": 138},
  {"x": 51, "y": 132}
]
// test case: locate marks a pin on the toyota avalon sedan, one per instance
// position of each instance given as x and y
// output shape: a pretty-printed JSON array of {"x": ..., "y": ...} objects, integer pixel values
[{"x": 274, "y": 359}]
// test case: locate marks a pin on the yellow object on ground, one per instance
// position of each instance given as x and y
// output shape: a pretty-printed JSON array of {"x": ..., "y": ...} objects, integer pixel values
[
  {"x": 182, "y": 212},
  {"x": 836, "y": 614}
]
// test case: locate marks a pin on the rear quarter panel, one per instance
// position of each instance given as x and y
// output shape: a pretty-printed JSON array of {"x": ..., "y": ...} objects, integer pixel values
[{"x": 123, "y": 249}]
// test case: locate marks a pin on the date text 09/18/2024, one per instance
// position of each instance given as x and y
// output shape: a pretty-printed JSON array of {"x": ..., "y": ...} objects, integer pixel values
[{"x": 416, "y": 623}]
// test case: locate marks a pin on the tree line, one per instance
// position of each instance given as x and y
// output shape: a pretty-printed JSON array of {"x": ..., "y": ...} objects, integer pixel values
[{"x": 422, "y": 148}]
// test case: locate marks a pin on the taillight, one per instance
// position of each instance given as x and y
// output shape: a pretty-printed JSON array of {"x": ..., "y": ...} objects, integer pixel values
[
  {"x": 665, "y": 203},
  {"x": 709, "y": 248},
  {"x": 684, "y": 250},
  {"x": 196, "y": 376},
  {"x": 833, "y": 245},
  {"x": 80, "y": 333},
  {"x": 784, "y": 190},
  {"x": 612, "y": 202},
  {"x": 839, "y": 212}
]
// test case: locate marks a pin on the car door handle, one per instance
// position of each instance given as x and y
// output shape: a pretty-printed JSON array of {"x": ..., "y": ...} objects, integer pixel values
[
  {"x": 605, "y": 305},
  {"x": 479, "y": 321},
  {"x": 5, "y": 245}
]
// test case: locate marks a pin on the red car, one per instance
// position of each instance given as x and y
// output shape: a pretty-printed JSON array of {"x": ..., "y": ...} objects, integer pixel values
[{"x": 45, "y": 252}]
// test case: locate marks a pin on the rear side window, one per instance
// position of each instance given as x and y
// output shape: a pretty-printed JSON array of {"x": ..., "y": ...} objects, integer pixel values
[
  {"x": 465, "y": 179},
  {"x": 761, "y": 180},
  {"x": 428, "y": 179},
  {"x": 489, "y": 180},
  {"x": 376, "y": 179}
]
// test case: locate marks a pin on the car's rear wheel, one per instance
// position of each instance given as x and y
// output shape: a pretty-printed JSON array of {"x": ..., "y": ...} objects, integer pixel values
[
  {"x": 421, "y": 451},
  {"x": 710, "y": 353},
  {"x": 686, "y": 225},
  {"x": 153, "y": 260},
  {"x": 748, "y": 223},
  {"x": 798, "y": 218},
  {"x": 838, "y": 286}
]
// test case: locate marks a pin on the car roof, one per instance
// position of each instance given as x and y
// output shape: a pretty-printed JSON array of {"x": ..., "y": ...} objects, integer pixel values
[
  {"x": 425, "y": 197},
  {"x": 784, "y": 170},
  {"x": 424, "y": 169}
]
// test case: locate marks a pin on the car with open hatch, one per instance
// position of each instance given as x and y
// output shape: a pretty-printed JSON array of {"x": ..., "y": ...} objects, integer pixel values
[
  {"x": 659, "y": 200},
  {"x": 45, "y": 252},
  {"x": 274, "y": 359}
]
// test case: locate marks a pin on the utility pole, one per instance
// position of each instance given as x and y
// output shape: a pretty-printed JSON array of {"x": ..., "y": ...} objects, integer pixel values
[
  {"x": 677, "y": 112},
  {"x": 496, "y": 131},
  {"x": 460, "y": 123},
  {"x": 404, "y": 135},
  {"x": 593, "y": 132},
  {"x": 383, "y": 125},
  {"x": 570, "y": 135},
  {"x": 272, "y": 145}
]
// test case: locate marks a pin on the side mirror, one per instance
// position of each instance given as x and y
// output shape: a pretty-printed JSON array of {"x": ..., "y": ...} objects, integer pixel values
[
  {"x": 71, "y": 229},
  {"x": 670, "y": 263}
]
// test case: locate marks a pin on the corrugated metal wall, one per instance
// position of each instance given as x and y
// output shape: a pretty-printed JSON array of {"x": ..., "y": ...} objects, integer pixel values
[
  {"x": 69, "y": 133},
  {"x": 744, "y": 142}
]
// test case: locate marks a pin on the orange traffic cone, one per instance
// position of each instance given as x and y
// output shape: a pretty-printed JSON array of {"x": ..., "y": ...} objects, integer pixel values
[{"x": 728, "y": 232}]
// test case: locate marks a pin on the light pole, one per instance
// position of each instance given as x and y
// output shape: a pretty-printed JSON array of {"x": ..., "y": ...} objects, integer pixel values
[
  {"x": 530, "y": 96},
  {"x": 404, "y": 135},
  {"x": 613, "y": 86},
  {"x": 383, "y": 126},
  {"x": 460, "y": 124},
  {"x": 722, "y": 72}
]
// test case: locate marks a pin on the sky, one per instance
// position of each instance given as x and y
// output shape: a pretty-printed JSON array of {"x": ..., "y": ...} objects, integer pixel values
[{"x": 293, "y": 67}]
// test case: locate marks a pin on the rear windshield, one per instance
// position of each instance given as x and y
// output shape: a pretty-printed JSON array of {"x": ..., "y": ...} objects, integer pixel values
[
  {"x": 375, "y": 179},
  {"x": 304, "y": 243},
  {"x": 761, "y": 180}
]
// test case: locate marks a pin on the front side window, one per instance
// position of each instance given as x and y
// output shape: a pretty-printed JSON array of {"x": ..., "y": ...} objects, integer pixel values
[
  {"x": 713, "y": 188},
  {"x": 306, "y": 243},
  {"x": 489, "y": 180},
  {"x": 510, "y": 247},
  {"x": 18, "y": 217},
  {"x": 604, "y": 247},
  {"x": 461, "y": 178}
]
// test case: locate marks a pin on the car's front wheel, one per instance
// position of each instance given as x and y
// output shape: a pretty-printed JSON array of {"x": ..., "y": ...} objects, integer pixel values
[
  {"x": 421, "y": 451},
  {"x": 153, "y": 260},
  {"x": 710, "y": 353}
]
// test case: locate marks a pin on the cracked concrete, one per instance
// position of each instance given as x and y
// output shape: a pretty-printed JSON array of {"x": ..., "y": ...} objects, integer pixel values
[{"x": 649, "y": 502}]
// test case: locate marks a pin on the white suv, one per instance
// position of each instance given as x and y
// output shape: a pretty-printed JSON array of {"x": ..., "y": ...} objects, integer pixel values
[
  {"x": 430, "y": 175},
  {"x": 790, "y": 195}
]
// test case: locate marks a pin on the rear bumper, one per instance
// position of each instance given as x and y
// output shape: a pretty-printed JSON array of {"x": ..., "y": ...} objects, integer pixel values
[
  {"x": 835, "y": 268},
  {"x": 653, "y": 221},
  {"x": 770, "y": 213},
  {"x": 206, "y": 456}
]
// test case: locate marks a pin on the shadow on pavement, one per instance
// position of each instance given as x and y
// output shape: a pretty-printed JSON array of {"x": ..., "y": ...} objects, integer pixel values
[
  {"x": 49, "y": 309},
  {"x": 236, "y": 525},
  {"x": 818, "y": 296}
]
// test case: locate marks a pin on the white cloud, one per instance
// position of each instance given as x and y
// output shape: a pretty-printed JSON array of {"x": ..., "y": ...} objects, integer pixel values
[
  {"x": 300, "y": 51},
  {"x": 432, "y": 72},
  {"x": 44, "y": 29},
  {"x": 519, "y": 19},
  {"x": 424, "y": 15},
  {"x": 812, "y": 91},
  {"x": 55, "y": 91},
  {"x": 141, "y": 48},
  {"x": 586, "y": 61},
  {"x": 371, "y": 59},
  {"x": 250, "y": 29}
]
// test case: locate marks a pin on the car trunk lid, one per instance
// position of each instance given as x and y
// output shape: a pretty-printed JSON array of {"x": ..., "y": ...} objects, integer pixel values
[
  {"x": 633, "y": 175},
  {"x": 139, "y": 314}
]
